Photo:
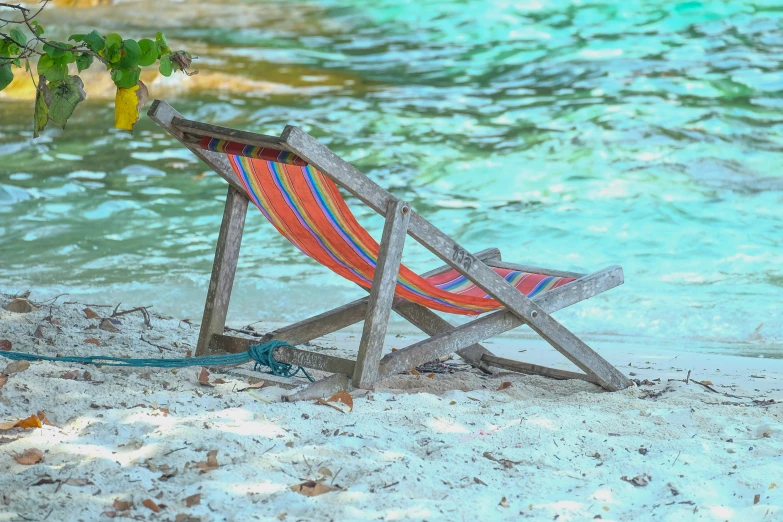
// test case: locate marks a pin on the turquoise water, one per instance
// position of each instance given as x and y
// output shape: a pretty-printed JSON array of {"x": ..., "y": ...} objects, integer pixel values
[{"x": 572, "y": 135}]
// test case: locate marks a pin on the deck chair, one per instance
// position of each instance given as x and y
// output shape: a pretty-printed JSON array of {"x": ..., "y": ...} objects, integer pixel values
[{"x": 293, "y": 179}]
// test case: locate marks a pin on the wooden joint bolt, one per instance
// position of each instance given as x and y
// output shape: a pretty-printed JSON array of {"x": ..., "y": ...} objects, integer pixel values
[
  {"x": 533, "y": 314},
  {"x": 406, "y": 209}
]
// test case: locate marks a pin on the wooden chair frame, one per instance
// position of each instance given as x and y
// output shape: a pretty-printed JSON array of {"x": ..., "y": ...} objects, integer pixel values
[{"x": 374, "y": 310}]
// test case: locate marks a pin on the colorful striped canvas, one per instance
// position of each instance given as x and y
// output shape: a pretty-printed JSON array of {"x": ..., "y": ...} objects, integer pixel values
[{"x": 306, "y": 207}]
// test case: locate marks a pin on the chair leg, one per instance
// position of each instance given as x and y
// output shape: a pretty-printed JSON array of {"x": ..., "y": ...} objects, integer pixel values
[
  {"x": 382, "y": 294},
  {"x": 223, "y": 269}
]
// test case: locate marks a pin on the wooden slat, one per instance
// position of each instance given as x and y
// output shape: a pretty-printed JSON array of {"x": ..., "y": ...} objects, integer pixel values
[
  {"x": 224, "y": 268},
  {"x": 535, "y": 369},
  {"x": 197, "y": 128},
  {"x": 163, "y": 114},
  {"x": 321, "y": 324},
  {"x": 497, "y": 322},
  {"x": 307, "y": 359},
  {"x": 384, "y": 284},
  {"x": 534, "y": 269},
  {"x": 456, "y": 256}
]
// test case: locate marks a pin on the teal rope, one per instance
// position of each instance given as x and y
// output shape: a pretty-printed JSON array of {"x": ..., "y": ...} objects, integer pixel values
[{"x": 262, "y": 354}]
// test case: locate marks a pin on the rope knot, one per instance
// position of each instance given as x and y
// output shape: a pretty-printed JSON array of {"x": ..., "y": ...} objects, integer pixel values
[{"x": 264, "y": 355}]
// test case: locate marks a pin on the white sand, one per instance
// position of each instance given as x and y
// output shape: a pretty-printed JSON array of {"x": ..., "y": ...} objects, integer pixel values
[{"x": 415, "y": 449}]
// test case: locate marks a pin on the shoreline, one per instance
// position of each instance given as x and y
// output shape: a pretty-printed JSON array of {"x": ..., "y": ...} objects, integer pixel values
[{"x": 416, "y": 448}]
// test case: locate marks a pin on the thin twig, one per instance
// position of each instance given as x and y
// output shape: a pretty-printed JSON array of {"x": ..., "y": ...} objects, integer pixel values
[
  {"x": 174, "y": 451},
  {"x": 155, "y": 345},
  {"x": 252, "y": 333}
]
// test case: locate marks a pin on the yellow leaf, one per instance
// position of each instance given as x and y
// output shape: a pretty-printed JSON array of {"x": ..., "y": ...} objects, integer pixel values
[{"x": 127, "y": 104}]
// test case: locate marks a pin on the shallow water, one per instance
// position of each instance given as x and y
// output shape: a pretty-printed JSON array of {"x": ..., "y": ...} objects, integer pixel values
[{"x": 572, "y": 135}]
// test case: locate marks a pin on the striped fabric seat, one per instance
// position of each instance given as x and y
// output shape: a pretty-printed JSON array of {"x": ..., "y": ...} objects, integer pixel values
[{"x": 307, "y": 209}]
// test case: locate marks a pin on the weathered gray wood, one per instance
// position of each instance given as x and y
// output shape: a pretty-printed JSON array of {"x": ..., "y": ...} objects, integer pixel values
[
  {"x": 497, "y": 322},
  {"x": 321, "y": 324},
  {"x": 431, "y": 323},
  {"x": 322, "y": 388},
  {"x": 560, "y": 338},
  {"x": 384, "y": 284},
  {"x": 284, "y": 354},
  {"x": 163, "y": 114},
  {"x": 452, "y": 253},
  {"x": 534, "y": 269},
  {"x": 197, "y": 128},
  {"x": 535, "y": 369},
  {"x": 223, "y": 269},
  {"x": 437, "y": 242},
  {"x": 254, "y": 377}
]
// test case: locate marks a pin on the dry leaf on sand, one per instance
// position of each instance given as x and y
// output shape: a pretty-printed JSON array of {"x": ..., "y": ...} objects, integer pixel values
[
  {"x": 311, "y": 488},
  {"x": 20, "y": 306},
  {"x": 29, "y": 457},
  {"x": 343, "y": 397},
  {"x": 90, "y": 314},
  {"x": 16, "y": 367},
  {"x": 33, "y": 421},
  {"x": 254, "y": 386},
  {"x": 92, "y": 340},
  {"x": 5, "y": 345},
  {"x": 3, "y": 379},
  {"x": 203, "y": 378},
  {"x": 211, "y": 462},
  {"x": 504, "y": 385},
  {"x": 122, "y": 505},
  {"x": 325, "y": 403},
  {"x": 193, "y": 500},
  {"x": 151, "y": 505},
  {"x": 109, "y": 326}
]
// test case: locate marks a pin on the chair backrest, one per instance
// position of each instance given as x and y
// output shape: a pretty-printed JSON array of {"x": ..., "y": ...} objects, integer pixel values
[{"x": 307, "y": 208}]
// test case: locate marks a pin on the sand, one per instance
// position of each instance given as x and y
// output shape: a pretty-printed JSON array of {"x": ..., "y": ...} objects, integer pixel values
[{"x": 125, "y": 442}]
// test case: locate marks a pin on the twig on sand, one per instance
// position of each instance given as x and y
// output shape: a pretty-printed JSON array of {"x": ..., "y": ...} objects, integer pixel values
[
  {"x": 142, "y": 309},
  {"x": 174, "y": 451},
  {"x": 335, "y": 475},
  {"x": 252, "y": 333},
  {"x": 50, "y": 301},
  {"x": 159, "y": 347},
  {"x": 677, "y": 457}
]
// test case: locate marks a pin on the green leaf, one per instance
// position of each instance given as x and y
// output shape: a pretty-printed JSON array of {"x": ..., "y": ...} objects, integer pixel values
[
  {"x": 37, "y": 28},
  {"x": 93, "y": 40},
  {"x": 165, "y": 65},
  {"x": 65, "y": 96},
  {"x": 83, "y": 61},
  {"x": 160, "y": 39},
  {"x": 41, "y": 113},
  {"x": 6, "y": 76},
  {"x": 53, "y": 71},
  {"x": 54, "y": 52},
  {"x": 113, "y": 40},
  {"x": 112, "y": 52},
  {"x": 149, "y": 52},
  {"x": 126, "y": 78},
  {"x": 131, "y": 52},
  {"x": 18, "y": 36}
]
